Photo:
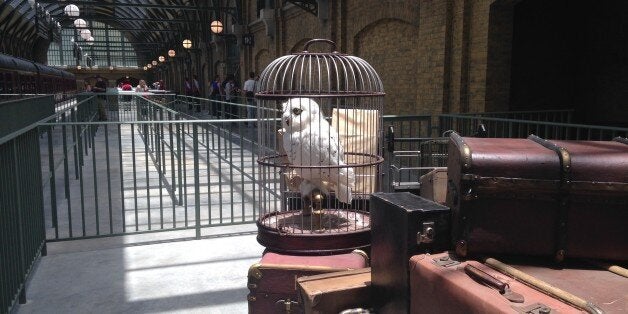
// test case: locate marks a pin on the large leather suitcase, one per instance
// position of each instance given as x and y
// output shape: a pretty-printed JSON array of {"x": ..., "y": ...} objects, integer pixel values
[
  {"x": 336, "y": 292},
  {"x": 537, "y": 197},
  {"x": 441, "y": 284},
  {"x": 402, "y": 224},
  {"x": 272, "y": 282}
]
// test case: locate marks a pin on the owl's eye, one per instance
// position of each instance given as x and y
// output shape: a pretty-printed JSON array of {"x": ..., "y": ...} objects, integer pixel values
[{"x": 297, "y": 111}]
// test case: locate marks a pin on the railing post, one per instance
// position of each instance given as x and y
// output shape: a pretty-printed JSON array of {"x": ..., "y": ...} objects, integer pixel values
[
  {"x": 179, "y": 166},
  {"x": 53, "y": 190},
  {"x": 20, "y": 219},
  {"x": 197, "y": 188}
]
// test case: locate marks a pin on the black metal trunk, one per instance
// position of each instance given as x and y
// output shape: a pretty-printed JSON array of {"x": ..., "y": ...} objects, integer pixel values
[{"x": 402, "y": 224}]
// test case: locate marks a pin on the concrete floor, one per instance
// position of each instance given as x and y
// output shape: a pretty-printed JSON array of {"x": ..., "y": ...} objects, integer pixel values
[{"x": 156, "y": 273}]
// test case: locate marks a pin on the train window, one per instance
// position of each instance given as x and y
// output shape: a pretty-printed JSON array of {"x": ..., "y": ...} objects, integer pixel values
[
  {"x": 32, "y": 87},
  {"x": 27, "y": 85},
  {"x": 8, "y": 82}
]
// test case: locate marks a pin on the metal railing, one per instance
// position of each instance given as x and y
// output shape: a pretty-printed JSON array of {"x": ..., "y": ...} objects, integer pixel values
[
  {"x": 194, "y": 107},
  {"x": 22, "y": 239},
  {"x": 561, "y": 116},
  {"x": 148, "y": 168},
  {"x": 407, "y": 139},
  {"x": 511, "y": 128},
  {"x": 415, "y": 148}
]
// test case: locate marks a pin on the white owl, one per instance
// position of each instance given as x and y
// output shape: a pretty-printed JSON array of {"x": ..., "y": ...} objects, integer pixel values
[{"x": 309, "y": 140}]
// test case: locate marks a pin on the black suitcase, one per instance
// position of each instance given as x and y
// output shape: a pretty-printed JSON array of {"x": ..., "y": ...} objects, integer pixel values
[{"x": 402, "y": 225}]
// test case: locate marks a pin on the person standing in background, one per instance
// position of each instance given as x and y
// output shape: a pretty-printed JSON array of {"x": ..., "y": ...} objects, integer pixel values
[
  {"x": 188, "y": 91},
  {"x": 249, "y": 93},
  {"x": 196, "y": 87},
  {"x": 196, "y": 92},
  {"x": 101, "y": 87},
  {"x": 126, "y": 86},
  {"x": 141, "y": 87},
  {"x": 230, "y": 96},
  {"x": 214, "y": 95}
]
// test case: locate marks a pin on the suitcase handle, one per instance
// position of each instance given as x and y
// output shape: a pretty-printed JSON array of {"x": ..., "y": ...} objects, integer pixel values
[{"x": 485, "y": 278}]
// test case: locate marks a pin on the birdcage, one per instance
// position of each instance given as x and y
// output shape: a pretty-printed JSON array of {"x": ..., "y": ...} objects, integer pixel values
[{"x": 320, "y": 147}]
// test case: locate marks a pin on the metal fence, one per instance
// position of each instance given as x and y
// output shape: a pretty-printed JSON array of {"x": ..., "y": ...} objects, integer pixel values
[
  {"x": 561, "y": 116},
  {"x": 22, "y": 238},
  {"x": 416, "y": 145},
  {"x": 512, "y": 128},
  {"x": 148, "y": 168},
  {"x": 408, "y": 140}
]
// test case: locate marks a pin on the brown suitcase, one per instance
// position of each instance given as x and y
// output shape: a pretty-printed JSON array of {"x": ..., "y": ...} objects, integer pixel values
[
  {"x": 272, "y": 282},
  {"x": 537, "y": 197},
  {"x": 335, "y": 292},
  {"x": 440, "y": 284}
]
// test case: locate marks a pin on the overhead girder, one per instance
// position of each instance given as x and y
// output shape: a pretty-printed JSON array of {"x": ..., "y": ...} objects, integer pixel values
[{"x": 158, "y": 24}]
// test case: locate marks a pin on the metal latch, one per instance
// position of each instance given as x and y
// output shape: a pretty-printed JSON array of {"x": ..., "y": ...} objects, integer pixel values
[
  {"x": 287, "y": 305},
  {"x": 536, "y": 308},
  {"x": 445, "y": 261},
  {"x": 426, "y": 235}
]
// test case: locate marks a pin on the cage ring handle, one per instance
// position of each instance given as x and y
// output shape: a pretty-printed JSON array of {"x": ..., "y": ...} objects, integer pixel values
[{"x": 307, "y": 44}]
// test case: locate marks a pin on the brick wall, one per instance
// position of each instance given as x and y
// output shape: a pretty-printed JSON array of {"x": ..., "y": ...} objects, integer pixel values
[
  {"x": 431, "y": 51},
  {"x": 416, "y": 47},
  {"x": 388, "y": 45},
  {"x": 384, "y": 33},
  {"x": 454, "y": 55}
]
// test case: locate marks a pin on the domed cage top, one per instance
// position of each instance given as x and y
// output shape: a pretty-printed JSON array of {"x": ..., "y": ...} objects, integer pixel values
[{"x": 320, "y": 147}]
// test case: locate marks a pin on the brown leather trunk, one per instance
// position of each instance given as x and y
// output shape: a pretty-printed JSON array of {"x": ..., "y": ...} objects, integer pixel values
[
  {"x": 537, "y": 197},
  {"x": 336, "y": 292},
  {"x": 439, "y": 284},
  {"x": 273, "y": 281}
]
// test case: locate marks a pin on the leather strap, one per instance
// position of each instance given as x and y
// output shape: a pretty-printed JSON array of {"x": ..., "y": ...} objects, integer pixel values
[{"x": 563, "y": 190}]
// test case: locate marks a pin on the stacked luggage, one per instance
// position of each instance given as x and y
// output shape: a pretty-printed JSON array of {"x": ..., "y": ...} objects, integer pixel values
[
  {"x": 535, "y": 227},
  {"x": 528, "y": 226},
  {"x": 273, "y": 286}
]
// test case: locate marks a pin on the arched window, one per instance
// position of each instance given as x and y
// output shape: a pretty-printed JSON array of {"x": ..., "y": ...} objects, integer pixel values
[{"x": 110, "y": 48}]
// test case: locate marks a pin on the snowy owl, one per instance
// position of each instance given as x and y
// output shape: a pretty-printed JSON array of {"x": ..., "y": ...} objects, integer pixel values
[{"x": 309, "y": 140}]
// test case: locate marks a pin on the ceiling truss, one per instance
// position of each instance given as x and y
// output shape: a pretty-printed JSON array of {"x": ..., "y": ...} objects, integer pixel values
[{"x": 146, "y": 24}]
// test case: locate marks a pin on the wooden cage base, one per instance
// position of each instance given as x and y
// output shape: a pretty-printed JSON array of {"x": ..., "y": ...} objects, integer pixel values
[{"x": 324, "y": 232}]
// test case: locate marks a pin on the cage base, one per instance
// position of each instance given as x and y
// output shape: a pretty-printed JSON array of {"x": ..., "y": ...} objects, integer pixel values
[{"x": 324, "y": 232}]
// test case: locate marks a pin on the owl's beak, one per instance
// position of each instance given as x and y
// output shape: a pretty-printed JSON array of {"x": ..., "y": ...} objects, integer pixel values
[{"x": 287, "y": 122}]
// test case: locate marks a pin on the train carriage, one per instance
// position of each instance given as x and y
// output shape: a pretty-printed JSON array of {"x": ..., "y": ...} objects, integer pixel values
[{"x": 20, "y": 77}]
